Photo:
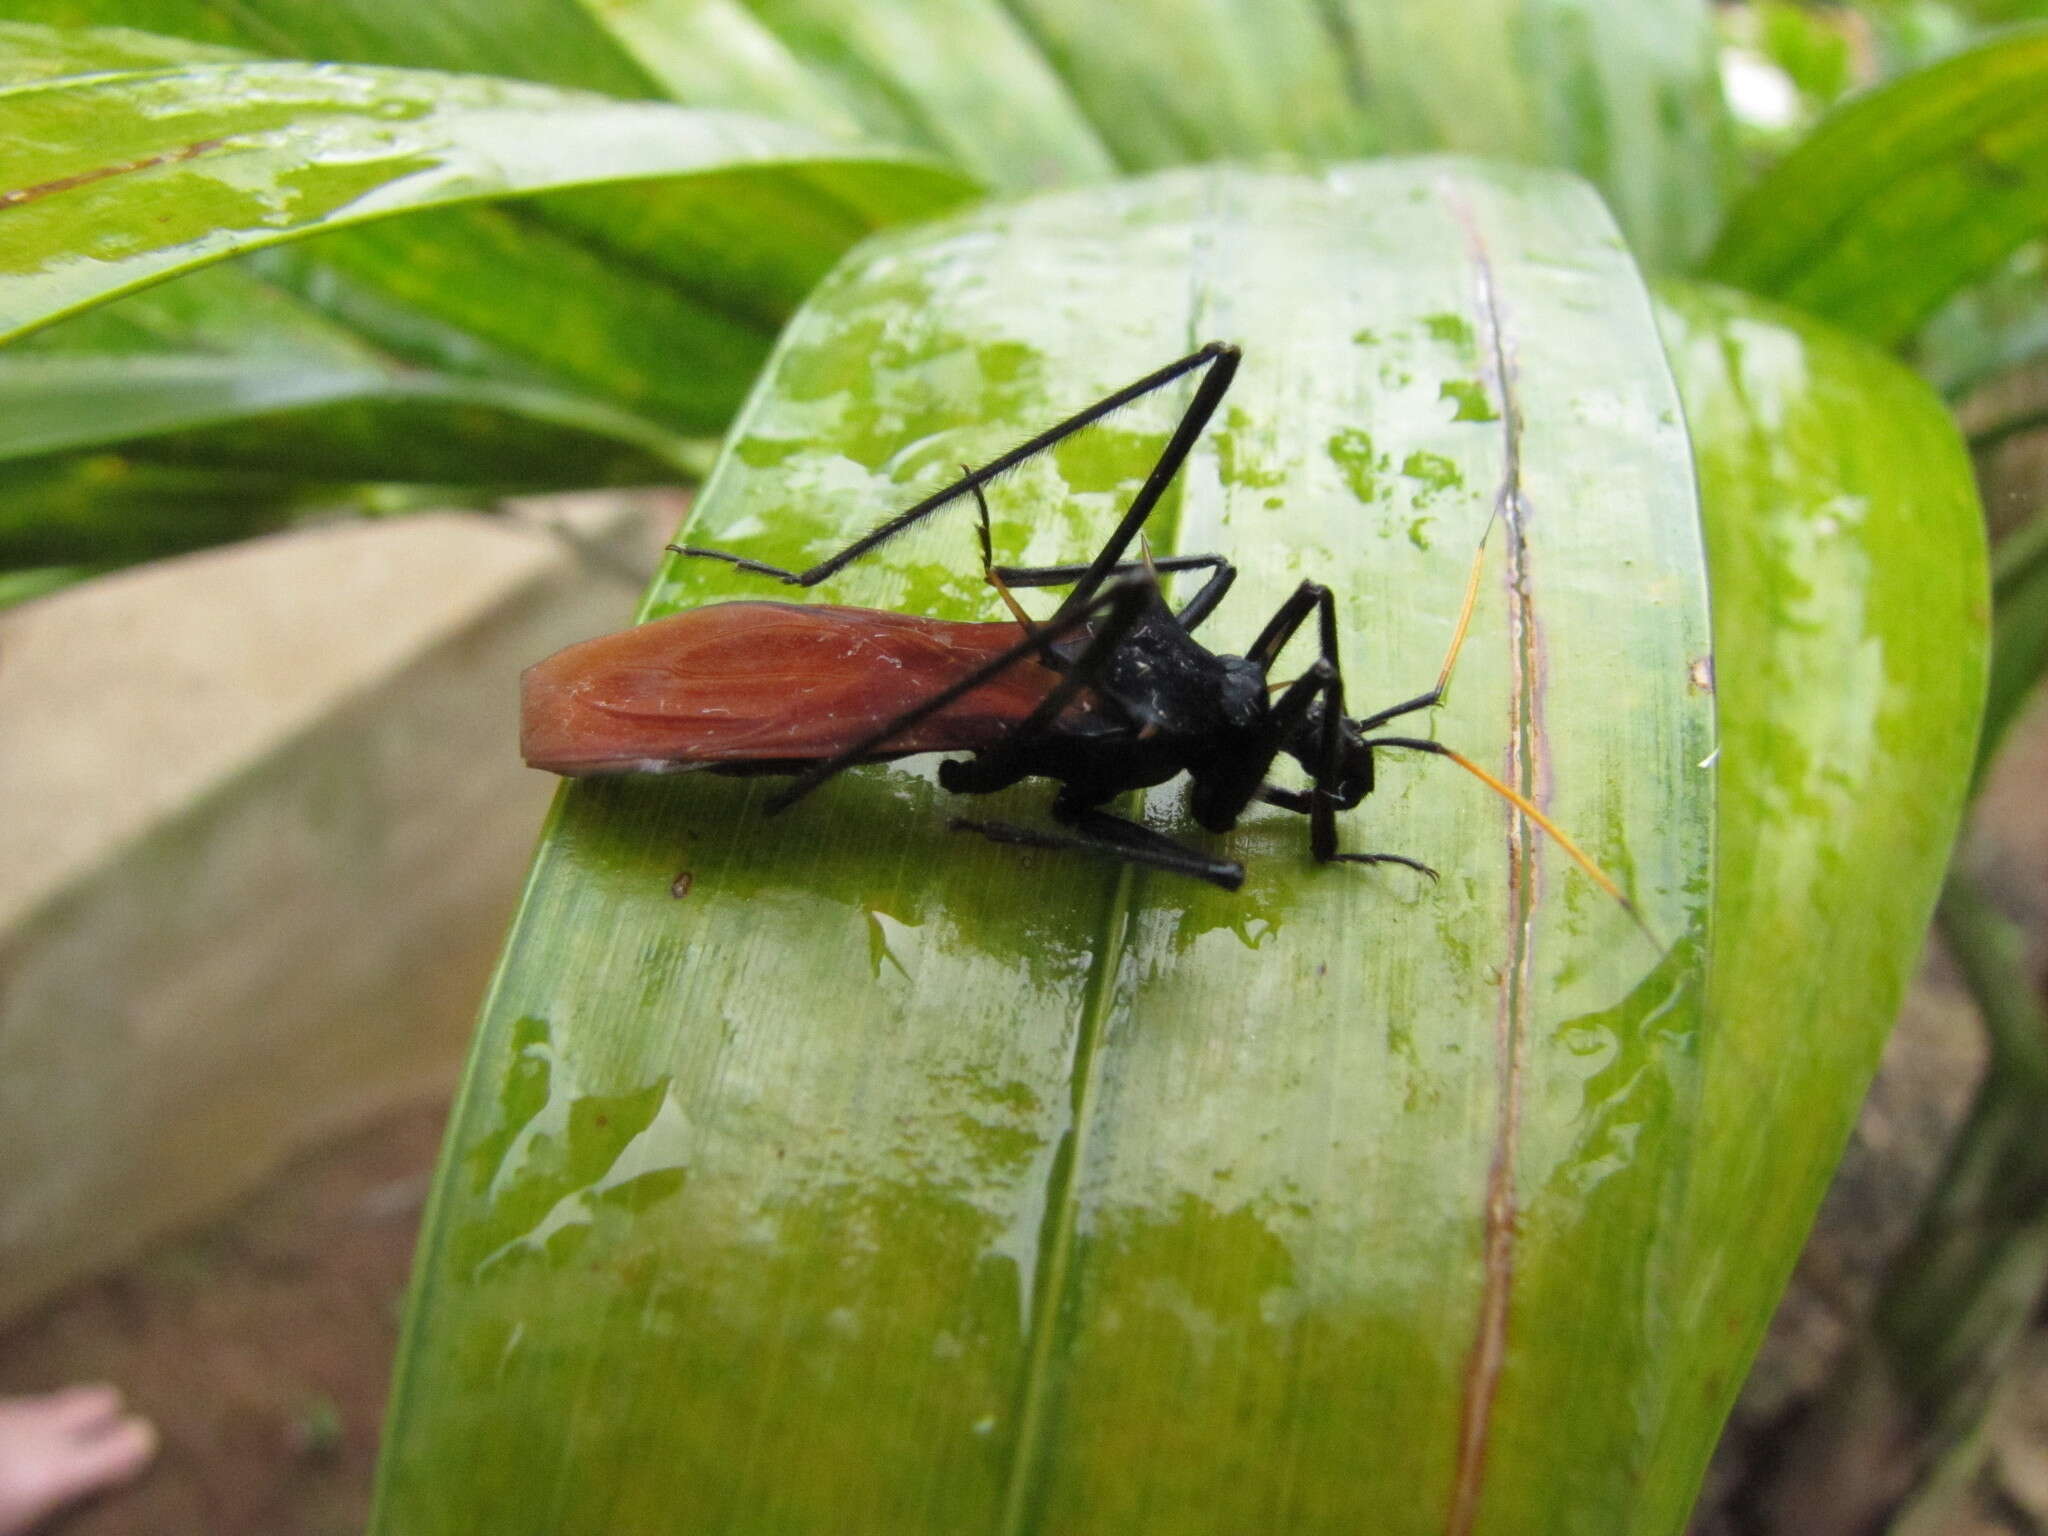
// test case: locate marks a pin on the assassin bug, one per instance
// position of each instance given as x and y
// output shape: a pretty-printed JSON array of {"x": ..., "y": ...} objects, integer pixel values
[{"x": 1111, "y": 693}]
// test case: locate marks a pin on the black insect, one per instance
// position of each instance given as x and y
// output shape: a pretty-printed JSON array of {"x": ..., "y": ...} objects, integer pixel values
[{"x": 1112, "y": 693}]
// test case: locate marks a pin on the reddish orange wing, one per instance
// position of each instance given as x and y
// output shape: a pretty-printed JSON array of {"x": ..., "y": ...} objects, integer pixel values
[{"x": 766, "y": 682}]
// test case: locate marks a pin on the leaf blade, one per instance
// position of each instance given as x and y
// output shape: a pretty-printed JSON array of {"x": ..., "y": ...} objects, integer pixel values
[
  {"x": 1851, "y": 615},
  {"x": 1949, "y": 162},
  {"x": 133, "y": 178},
  {"x": 938, "y": 1064}
]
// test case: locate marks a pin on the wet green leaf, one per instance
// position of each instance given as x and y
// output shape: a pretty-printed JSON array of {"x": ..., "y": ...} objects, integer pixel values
[
  {"x": 890, "y": 1180},
  {"x": 554, "y": 42},
  {"x": 1904, "y": 195},
  {"x": 115, "y": 181},
  {"x": 576, "y": 338},
  {"x": 1850, "y": 615}
]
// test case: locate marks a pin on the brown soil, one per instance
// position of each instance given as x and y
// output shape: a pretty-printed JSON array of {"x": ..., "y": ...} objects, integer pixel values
[{"x": 260, "y": 1346}]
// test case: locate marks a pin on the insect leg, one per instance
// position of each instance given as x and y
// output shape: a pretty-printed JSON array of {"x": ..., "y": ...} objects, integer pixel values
[
  {"x": 1324, "y": 801},
  {"x": 1215, "y": 384},
  {"x": 1324, "y": 680},
  {"x": 1191, "y": 613},
  {"x": 1099, "y": 832},
  {"x": 1288, "y": 618},
  {"x": 1321, "y": 809},
  {"x": 1221, "y": 354},
  {"x": 989, "y": 573},
  {"x": 1123, "y": 603}
]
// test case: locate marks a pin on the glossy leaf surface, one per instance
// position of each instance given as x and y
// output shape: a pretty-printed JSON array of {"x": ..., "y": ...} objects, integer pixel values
[
  {"x": 115, "y": 181},
  {"x": 1850, "y": 615},
  {"x": 1903, "y": 196},
  {"x": 569, "y": 340},
  {"x": 895, "y": 1181}
]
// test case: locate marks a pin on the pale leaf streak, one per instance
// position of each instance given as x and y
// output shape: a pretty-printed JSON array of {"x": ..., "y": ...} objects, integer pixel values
[
  {"x": 1053, "y": 1274},
  {"x": 1488, "y": 1353}
]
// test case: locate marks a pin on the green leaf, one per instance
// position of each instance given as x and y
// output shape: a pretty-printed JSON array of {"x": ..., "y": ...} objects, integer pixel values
[
  {"x": 1850, "y": 611},
  {"x": 564, "y": 367},
  {"x": 30, "y": 52},
  {"x": 1811, "y": 47},
  {"x": 377, "y": 390},
  {"x": 618, "y": 323},
  {"x": 21, "y": 586},
  {"x": 896, "y": 1181},
  {"x": 965, "y": 81},
  {"x": 1176, "y": 83},
  {"x": 1625, "y": 92},
  {"x": 108, "y": 509},
  {"x": 554, "y": 42},
  {"x": 1993, "y": 327},
  {"x": 1949, "y": 164},
  {"x": 116, "y": 181},
  {"x": 216, "y": 369},
  {"x": 1035, "y": 92}
]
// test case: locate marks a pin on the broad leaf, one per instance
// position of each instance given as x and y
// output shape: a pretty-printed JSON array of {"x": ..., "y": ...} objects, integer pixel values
[
  {"x": 895, "y": 1181},
  {"x": 1903, "y": 196},
  {"x": 1850, "y": 613}
]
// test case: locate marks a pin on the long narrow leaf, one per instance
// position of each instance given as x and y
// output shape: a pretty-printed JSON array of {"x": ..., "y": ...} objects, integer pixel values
[
  {"x": 1623, "y": 91},
  {"x": 1026, "y": 93},
  {"x": 112, "y": 182},
  {"x": 1903, "y": 196},
  {"x": 552, "y": 42}
]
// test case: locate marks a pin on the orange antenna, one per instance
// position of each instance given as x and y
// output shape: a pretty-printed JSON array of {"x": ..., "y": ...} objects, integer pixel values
[
  {"x": 1528, "y": 808},
  {"x": 1443, "y": 677}
]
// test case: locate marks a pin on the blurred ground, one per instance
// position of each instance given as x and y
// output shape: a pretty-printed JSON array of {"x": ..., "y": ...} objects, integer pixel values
[{"x": 260, "y": 1346}]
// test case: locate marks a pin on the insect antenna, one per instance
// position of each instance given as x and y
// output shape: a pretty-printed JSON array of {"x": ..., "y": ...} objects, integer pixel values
[
  {"x": 1528, "y": 808},
  {"x": 1443, "y": 677},
  {"x": 1514, "y": 797}
]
